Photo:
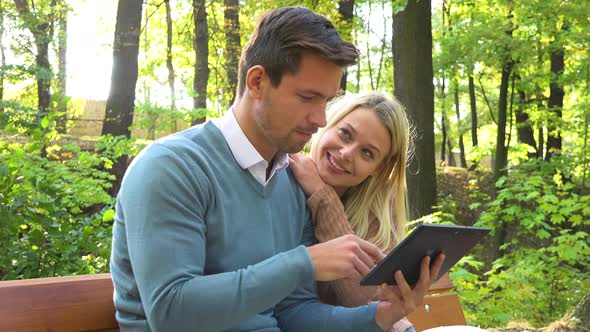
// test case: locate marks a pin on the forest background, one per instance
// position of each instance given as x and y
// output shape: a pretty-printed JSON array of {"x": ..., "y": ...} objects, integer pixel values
[{"x": 498, "y": 91}]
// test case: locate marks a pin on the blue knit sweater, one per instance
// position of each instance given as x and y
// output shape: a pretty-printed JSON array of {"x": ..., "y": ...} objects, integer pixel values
[{"x": 200, "y": 245}]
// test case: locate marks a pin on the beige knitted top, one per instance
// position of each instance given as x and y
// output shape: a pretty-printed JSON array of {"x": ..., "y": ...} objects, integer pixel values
[{"x": 331, "y": 222}]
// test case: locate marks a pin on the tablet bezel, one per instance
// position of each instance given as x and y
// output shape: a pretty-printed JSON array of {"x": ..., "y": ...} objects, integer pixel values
[{"x": 425, "y": 240}]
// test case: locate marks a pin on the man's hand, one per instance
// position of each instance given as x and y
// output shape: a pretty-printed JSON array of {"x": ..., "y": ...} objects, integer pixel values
[
  {"x": 344, "y": 257},
  {"x": 400, "y": 300}
]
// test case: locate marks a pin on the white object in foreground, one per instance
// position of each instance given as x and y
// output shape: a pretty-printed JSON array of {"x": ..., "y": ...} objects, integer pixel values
[{"x": 455, "y": 328}]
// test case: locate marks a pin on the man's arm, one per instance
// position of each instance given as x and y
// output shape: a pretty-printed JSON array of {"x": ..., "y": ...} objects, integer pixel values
[
  {"x": 302, "y": 311},
  {"x": 163, "y": 201}
]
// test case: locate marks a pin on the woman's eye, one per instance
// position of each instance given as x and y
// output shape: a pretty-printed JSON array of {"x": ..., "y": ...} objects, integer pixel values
[
  {"x": 344, "y": 133},
  {"x": 306, "y": 98},
  {"x": 368, "y": 154}
]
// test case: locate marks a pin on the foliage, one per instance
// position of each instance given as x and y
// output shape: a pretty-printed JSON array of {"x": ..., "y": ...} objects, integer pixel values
[
  {"x": 544, "y": 267},
  {"x": 55, "y": 213}
]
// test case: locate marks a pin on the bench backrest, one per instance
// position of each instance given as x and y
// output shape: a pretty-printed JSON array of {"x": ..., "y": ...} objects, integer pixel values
[
  {"x": 85, "y": 303},
  {"x": 440, "y": 308},
  {"x": 80, "y": 303}
]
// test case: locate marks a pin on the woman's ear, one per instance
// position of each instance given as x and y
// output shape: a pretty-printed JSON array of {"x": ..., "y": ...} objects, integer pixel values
[{"x": 255, "y": 81}]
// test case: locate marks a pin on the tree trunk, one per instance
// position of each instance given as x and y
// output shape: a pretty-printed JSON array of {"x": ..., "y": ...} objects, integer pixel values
[
  {"x": 43, "y": 83},
  {"x": 346, "y": 11},
  {"x": 473, "y": 104},
  {"x": 42, "y": 30},
  {"x": 443, "y": 143},
  {"x": 412, "y": 54},
  {"x": 62, "y": 71},
  {"x": 501, "y": 155},
  {"x": 585, "y": 150},
  {"x": 443, "y": 120},
  {"x": 2, "y": 57},
  {"x": 524, "y": 130},
  {"x": 577, "y": 320},
  {"x": 169, "y": 64},
  {"x": 231, "y": 13},
  {"x": 459, "y": 130},
  {"x": 201, "y": 58},
  {"x": 541, "y": 144},
  {"x": 555, "y": 102},
  {"x": 121, "y": 100},
  {"x": 450, "y": 155}
]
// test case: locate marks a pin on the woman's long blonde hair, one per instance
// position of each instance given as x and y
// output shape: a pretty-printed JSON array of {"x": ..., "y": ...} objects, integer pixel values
[{"x": 385, "y": 192}]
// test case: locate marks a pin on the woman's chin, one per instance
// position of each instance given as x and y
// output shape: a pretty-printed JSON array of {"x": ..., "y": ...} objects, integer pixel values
[{"x": 327, "y": 178}]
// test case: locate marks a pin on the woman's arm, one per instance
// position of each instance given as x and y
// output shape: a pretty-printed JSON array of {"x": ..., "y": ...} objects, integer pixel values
[{"x": 331, "y": 222}]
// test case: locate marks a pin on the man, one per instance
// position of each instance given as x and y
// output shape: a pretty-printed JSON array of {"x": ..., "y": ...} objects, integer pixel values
[{"x": 210, "y": 229}]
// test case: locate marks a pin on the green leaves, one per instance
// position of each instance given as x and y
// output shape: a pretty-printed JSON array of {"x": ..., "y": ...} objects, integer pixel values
[
  {"x": 108, "y": 215},
  {"x": 545, "y": 254},
  {"x": 52, "y": 209}
]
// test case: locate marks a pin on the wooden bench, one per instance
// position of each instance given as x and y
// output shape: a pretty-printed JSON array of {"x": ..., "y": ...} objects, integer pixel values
[
  {"x": 440, "y": 307},
  {"x": 85, "y": 303},
  {"x": 80, "y": 303}
]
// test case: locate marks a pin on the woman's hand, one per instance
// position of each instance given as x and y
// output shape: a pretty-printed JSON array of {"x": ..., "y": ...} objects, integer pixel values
[
  {"x": 400, "y": 300},
  {"x": 306, "y": 173}
]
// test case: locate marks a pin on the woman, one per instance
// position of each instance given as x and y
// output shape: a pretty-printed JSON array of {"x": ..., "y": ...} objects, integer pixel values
[{"x": 355, "y": 179}]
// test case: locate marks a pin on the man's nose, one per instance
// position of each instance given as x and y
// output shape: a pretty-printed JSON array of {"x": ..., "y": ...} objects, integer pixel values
[{"x": 318, "y": 116}]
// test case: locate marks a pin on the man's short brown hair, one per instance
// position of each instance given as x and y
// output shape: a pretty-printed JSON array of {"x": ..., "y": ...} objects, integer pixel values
[{"x": 283, "y": 35}]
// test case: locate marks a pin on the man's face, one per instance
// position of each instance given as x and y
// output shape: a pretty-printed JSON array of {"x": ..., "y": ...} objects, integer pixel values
[{"x": 289, "y": 114}]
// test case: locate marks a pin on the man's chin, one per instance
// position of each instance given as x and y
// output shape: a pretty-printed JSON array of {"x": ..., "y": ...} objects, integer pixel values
[{"x": 293, "y": 148}]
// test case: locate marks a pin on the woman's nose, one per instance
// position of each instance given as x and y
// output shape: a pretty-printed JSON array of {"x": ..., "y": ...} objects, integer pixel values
[{"x": 346, "y": 152}]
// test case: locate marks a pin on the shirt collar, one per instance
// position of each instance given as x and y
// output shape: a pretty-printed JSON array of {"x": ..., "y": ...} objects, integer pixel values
[{"x": 244, "y": 152}]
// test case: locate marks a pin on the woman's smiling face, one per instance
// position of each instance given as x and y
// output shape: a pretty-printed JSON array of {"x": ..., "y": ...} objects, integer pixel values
[{"x": 352, "y": 150}]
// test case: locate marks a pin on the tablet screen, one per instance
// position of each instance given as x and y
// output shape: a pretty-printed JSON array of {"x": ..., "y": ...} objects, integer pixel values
[{"x": 425, "y": 240}]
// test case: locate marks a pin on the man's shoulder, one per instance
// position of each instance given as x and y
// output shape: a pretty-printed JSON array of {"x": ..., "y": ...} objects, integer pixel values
[
  {"x": 193, "y": 143},
  {"x": 198, "y": 134},
  {"x": 193, "y": 147}
]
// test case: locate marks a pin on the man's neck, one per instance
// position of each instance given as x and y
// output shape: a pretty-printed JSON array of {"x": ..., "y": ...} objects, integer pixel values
[{"x": 248, "y": 125}]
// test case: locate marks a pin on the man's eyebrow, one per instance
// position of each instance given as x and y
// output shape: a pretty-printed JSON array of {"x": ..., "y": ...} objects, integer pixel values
[
  {"x": 313, "y": 92},
  {"x": 317, "y": 94}
]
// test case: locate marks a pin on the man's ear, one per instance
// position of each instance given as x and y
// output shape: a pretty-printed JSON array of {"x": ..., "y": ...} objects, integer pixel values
[{"x": 256, "y": 81}]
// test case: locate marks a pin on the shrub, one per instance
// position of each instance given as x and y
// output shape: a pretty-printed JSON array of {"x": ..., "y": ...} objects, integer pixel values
[{"x": 544, "y": 267}]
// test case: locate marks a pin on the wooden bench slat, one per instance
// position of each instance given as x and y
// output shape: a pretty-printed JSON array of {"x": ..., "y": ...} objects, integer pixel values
[
  {"x": 444, "y": 310},
  {"x": 442, "y": 285},
  {"x": 81, "y": 303}
]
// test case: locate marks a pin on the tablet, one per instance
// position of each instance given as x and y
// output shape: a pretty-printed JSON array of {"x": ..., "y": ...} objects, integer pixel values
[{"x": 425, "y": 240}]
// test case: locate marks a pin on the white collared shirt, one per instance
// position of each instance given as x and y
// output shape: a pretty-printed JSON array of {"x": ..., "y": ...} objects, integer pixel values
[{"x": 245, "y": 153}]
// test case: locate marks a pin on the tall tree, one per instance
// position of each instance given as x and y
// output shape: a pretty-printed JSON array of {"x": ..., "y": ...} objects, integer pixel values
[
  {"x": 2, "y": 54},
  {"x": 201, "y": 47},
  {"x": 473, "y": 108},
  {"x": 501, "y": 154},
  {"x": 62, "y": 40},
  {"x": 556, "y": 95},
  {"x": 413, "y": 73},
  {"x": 121, "y": 100},
  {"x": 459, "y": 130},
  {"x": 443, "y": 126},
  {"x": 231, "y": 15},
  {"x": 169, "y": 64},
  {"x": 524, "y": 130},
  {"x": 41, "y": 26},
  {"x": 346, "y": 11}
]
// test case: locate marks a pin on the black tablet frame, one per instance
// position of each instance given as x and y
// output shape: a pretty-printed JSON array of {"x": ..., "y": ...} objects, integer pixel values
[{"x": 425, "y": 240}]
